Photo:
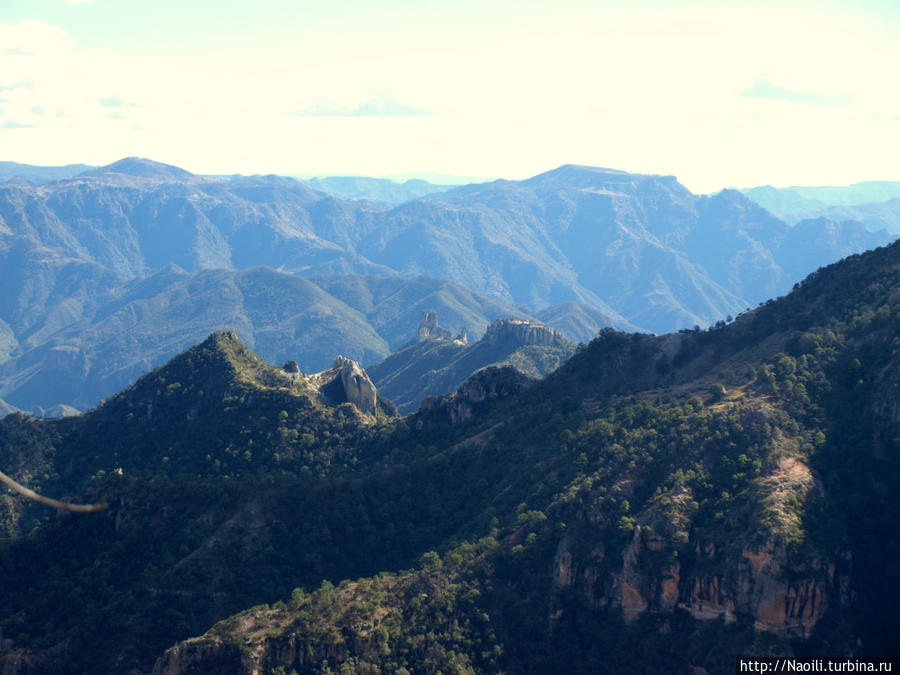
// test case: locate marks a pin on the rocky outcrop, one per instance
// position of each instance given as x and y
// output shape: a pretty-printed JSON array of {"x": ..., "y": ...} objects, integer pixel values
[
  {"x": 65, "y": 359},
  {"x": 346, "y": 382},
  {"x": 521, "y": 332}
]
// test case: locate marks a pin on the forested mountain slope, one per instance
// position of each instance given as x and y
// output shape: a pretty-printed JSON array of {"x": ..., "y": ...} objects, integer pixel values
[{"x": 668, "y": 501}]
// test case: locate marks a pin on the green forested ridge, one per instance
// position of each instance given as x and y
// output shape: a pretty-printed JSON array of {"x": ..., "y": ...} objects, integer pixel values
[{"x": 667, "y": 501}]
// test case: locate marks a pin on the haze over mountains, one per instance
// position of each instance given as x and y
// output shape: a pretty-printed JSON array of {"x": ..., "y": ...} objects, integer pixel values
[
  {"x": 875, "y": 203},
  {"x": 114, "y": 269},
  {"x": 375, "y": 189}
]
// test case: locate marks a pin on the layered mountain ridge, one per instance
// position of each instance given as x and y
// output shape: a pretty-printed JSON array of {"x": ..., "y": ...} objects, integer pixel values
[
  {"x": 573, "y": 234},
  {"x": 93, "y": 261}
]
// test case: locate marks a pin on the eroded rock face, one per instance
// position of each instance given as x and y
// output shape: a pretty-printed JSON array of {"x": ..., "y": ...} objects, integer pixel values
[
  {"x": 346, "y": 381},
  {"x": 732, "y": 575},
  {"x": 781, "y": 598},
  {"x": 521, "y": 332}
]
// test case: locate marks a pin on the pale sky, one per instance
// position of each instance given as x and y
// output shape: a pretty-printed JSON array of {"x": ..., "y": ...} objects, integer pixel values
[{"x": 717, "y": 93}]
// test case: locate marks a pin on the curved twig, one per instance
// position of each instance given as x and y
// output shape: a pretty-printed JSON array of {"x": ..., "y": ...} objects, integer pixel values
[{"x": 55, "y": 503}]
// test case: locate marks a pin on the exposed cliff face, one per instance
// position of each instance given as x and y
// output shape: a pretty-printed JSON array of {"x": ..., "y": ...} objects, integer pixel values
[
  {"x": 750, "y": 576},
  {"x": 209, "y": 656},
  {"x": 346, "y": 382},
  {"x": 758, "y": 583}
]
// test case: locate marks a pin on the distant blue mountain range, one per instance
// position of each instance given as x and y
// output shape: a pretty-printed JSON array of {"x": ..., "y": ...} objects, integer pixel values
[{"x": 107, "y": 271}]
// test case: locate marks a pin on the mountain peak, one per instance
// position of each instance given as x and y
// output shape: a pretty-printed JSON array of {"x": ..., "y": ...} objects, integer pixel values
[
  {"x": 225, "y": 339},
  {"x": 220, "y": 363},
  {"x": 140, "y": 167},
  {"x": 228, "y": 349},
  {"x": 581, "y": 177}
]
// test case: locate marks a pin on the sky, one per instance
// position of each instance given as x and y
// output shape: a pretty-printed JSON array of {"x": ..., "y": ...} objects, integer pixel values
[{"x": 718, "y": 93}]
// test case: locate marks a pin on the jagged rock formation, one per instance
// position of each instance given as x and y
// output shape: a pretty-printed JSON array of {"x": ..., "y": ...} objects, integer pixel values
[
  {"x": 429, "y": 329},
  {"x": 346, "y": 382},
  {"x": 56, "y": 411}
]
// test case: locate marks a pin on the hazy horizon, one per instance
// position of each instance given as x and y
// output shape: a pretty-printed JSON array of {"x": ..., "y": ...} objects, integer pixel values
[
  {"x": 430, "y": 176},
  {"x": 719, "y": 94}
]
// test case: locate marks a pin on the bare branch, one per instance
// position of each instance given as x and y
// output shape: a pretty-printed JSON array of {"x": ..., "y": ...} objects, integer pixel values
[{"x": 56, "y": 504}]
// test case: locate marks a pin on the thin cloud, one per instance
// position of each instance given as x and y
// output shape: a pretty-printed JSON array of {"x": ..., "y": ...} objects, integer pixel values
[
  {"x": 111, "y": 102},
  {"x": 763, "y": 88},
  {"x": 13, "y": 124},
  {"x": 16, "y": 85},
  {"x": 374, "y": 107}
]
